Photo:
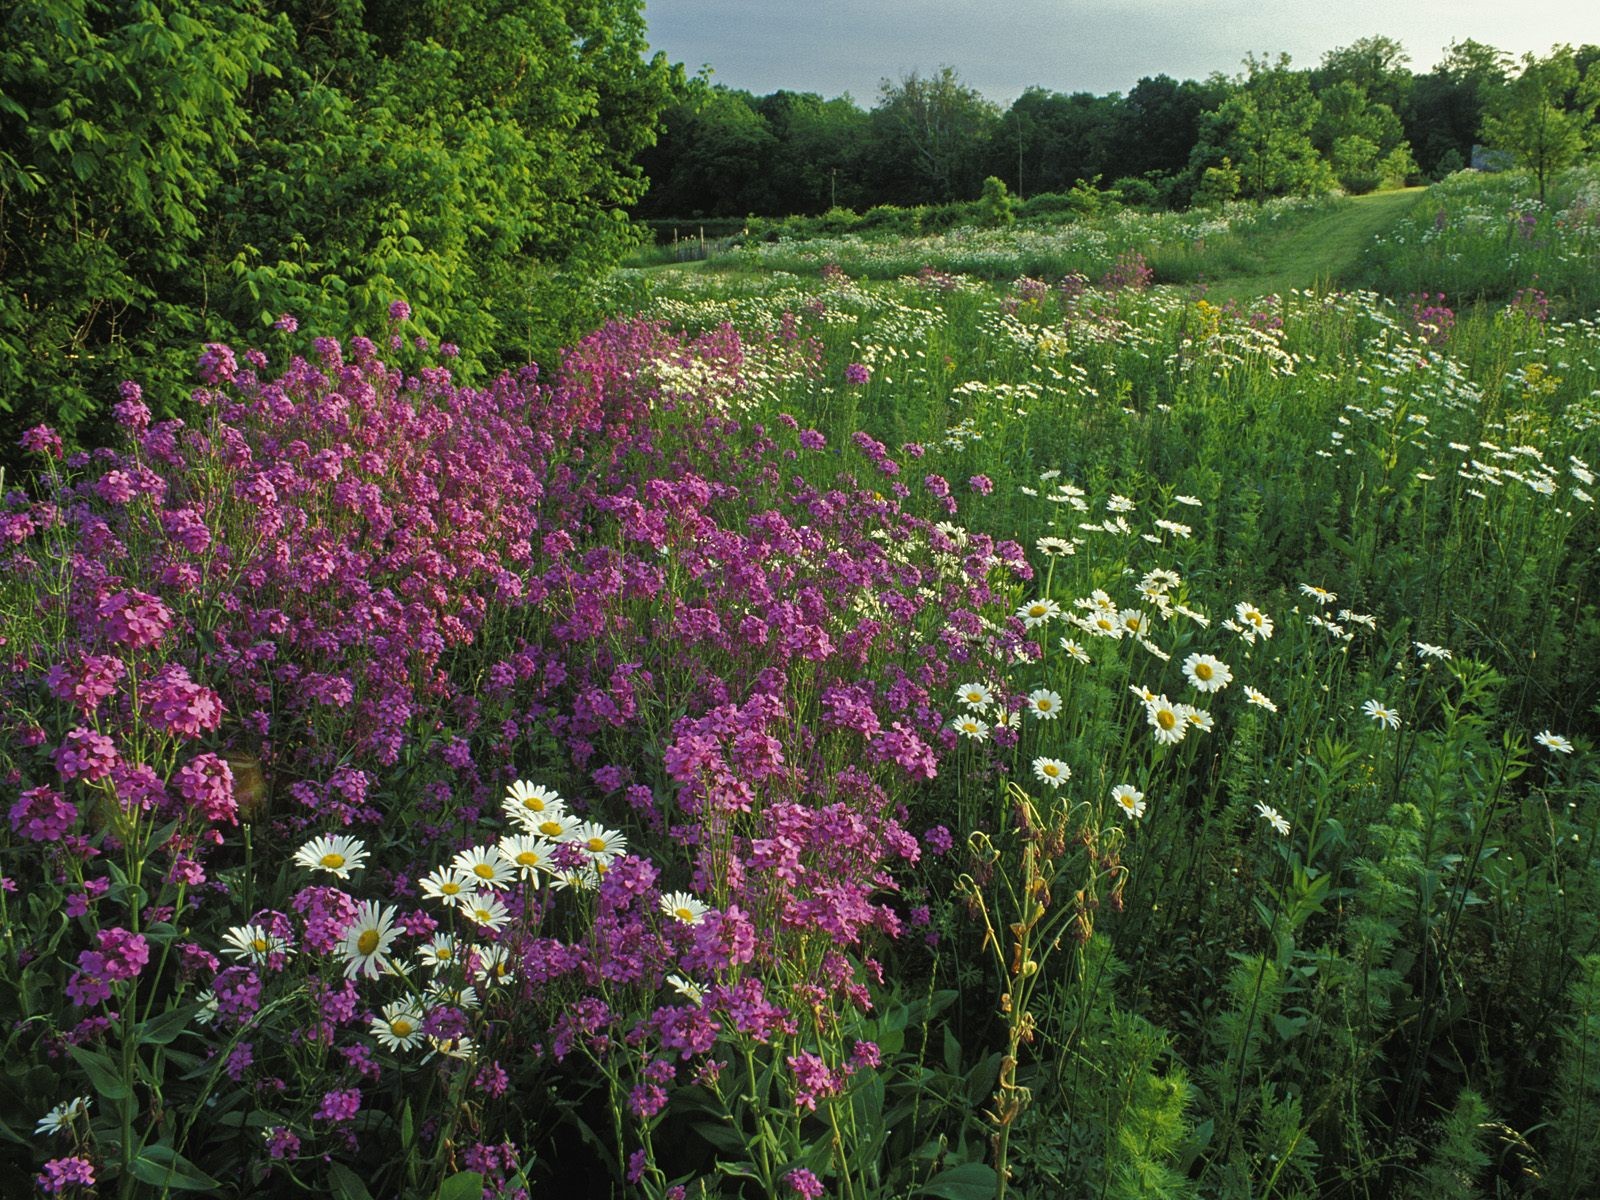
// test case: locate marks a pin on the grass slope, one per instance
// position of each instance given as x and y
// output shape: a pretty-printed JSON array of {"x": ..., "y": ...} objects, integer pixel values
[{"x": 1320, "y": 252}]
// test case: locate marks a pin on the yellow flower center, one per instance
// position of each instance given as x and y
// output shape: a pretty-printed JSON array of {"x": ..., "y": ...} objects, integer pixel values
[
  {"x": 400, "y": 1027},
  {"x": 527, "y": 859},
  {"x": 444, "y": 954},
  {"x": 367, "y": 943},
  {"x": 551, "y": 828},
  {"x": 1103, "y": 623},
  {"x": 1050, "y": 770},
  {"x": 1166, "y": 718},
  {"x": 1203, "y": 671},
  {"x": 595, "y": 845},
  {"x": 449, "y": 888},
  {"x": 533, "y": 804},
  {"x": 683, "y": 914},
  {"x": 1036, "y": 610},
  {"x": 483, "y": 870},
  {"x": 333, "y": 861},
  {"x": 259, "y": 945}
]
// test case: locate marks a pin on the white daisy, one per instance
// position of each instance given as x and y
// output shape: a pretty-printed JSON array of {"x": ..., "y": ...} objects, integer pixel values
[
  {"x": 526, "y": 802},
  {"x": 527, "y": 853},
  {"x": 681, "y": 906},
  {"x": 1051, "y": 771},
  {"x": 686, "y": 988},
  {"x": 1383, "y": 716},
  {"x": 1037, "y": 612},
  {"x": 1207, "y": 674},
  {"x": 400, "y": 1026},
  {"x": 1274, "y": 818},
  {"x": 438, "y": 953},
  {"x": 1075, "y": 649},
  {"x": 447, "y": 885},
  {"x": 1554, "y": 742},
  {"x": 485, "y": 909},
  {"x": 975, "y": 696},
  {"x": 1166, "y": 718},
  {"x": 1044, "y": 704},
  {"x": 337, "y": 855},
  {"x": 60, "y": 1118},
  {"x": 492, "y": 966},
  {"x": 1198, "y": 718},
  {"x": 1259, "y": 699},
  {"x": 485, "y": 866},
  {"x": 600, "y": 843},
  {"x": 367, "y": 941},
  {"x": 1320, "y": 594},
  {"x": 252, "y": 942},
  {"x": 1253, "y": 618},
  {"x": 970, "y": 727},
  {"x": 1129, "y": 799},
  {"x": 1428, "y": 650},
  {"x": 556, "y": 826}
]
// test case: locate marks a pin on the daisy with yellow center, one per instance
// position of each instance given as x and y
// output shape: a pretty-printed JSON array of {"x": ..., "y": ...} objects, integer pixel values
[
  {"x": 528, "y": 854},
  {"x": 975, "y": 696},
  {"x": 971, "y": 727},
  {"x": 1207, "y": 674},
  {"x": 1051, "y": 771},
  {"x": 447, "y": 885},
  {"x": 555, "y": 826},
  {"x": 367, "y": 941},
  {"x": 252, "y": 943},
  {"x": 1259, "y": 699},
  {"x": 1044, "y": 704},
  {"x": 1129, "y": 800},
  {"x": 681, "y": 906},
  {"x": 440, "y": 952},
  {"x": 1167, "y": 721},
  {"x": 338, "y": 855},
  {"x": 1106, "y": 625},
  {"x": 485, "y": 866},
  {"x": 1198, "y": 718},
  {"x": 1075, "y": 650},
  {"x": 1554, "y": 742},
  {"x": 600, "y": 843},
  {"x": 485, "y": 910},
  {"x": 400, "y": 1026},
  {"x": 526, "y": 803},
  {"x": 1253, "y": 619},
  {"x": 1037, "y": 612},
  {"x": 492, "y": 966}
]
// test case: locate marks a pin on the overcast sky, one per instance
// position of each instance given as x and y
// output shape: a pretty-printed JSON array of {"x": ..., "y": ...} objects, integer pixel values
[{"x": 1001, "y": 47}]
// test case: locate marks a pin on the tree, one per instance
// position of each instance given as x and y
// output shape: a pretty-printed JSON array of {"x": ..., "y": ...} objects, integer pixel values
[
  {"x": 1443, "y": 112},
  {"x": 1527, "y": 119},
  {"x": 930, "y": 133},
  {"x": 1265, "y": 127},
  {"x": 1376, "y": 65},
  {"x": 187, "y": 171}
]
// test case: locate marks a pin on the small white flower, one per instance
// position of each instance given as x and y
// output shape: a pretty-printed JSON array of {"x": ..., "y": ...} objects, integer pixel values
[
  {"x": 681, "y": 906},
  {"x": 60, "y": 1118},
  {"x": 1044, "y": 704},
  {"x": 1383, "y": 716},
  {"x": 1554, "y": 742},
  {"x": 1129, "y": 799},
  {"x": 337, "y": 855},
  {"x": 1274, "y": 818}
]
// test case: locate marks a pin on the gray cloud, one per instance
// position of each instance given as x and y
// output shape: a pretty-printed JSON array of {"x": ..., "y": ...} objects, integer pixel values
[{"x": 837, "y": 46}]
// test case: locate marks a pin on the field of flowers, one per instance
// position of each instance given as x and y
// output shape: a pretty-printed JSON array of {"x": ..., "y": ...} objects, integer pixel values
[{"x": 906, "y": 738}]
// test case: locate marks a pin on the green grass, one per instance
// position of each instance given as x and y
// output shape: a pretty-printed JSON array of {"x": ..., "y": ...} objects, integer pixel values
[{"x": 1322, "y": 252}]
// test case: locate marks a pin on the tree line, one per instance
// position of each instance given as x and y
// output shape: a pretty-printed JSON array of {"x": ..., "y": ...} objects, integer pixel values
[{"x": 1360, "y": 120}]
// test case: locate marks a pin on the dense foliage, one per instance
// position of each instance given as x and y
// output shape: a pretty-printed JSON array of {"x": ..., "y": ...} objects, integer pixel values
[
  {"x": 1359, "y": 120},
  {"x": 174, "y": 173}
]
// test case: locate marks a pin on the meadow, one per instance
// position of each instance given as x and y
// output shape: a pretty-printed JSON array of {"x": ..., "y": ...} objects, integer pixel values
[{"x": 986, "y": 715}]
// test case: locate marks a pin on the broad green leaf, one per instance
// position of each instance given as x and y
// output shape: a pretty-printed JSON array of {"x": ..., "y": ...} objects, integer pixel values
[
  {"x": 969, "y": 1181},
  {"x": 163, "y": 1166},
  {"x": 102, "y": 1073},
  {"x": 463, "y": 1185}
]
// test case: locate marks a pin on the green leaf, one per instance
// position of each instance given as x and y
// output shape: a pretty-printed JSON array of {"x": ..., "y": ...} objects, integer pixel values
[
  {"x": 408, "y": 1130},
  {"x": 102, "y": 1073},
  {"x": 347, "y": 1184},
  {"x": 161, "y": 1030},
  {"x": 160, "y": 1164},
  {"x": 969, "y": 1181},
  {"x": 463, "y": 1185}
]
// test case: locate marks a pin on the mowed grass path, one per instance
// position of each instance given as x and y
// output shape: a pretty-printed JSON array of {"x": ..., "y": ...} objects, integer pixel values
[{"x": 1321, "y": 252}]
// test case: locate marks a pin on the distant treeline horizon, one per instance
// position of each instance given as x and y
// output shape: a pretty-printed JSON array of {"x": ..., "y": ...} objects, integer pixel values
[{"x": 1360, "y": 120}]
